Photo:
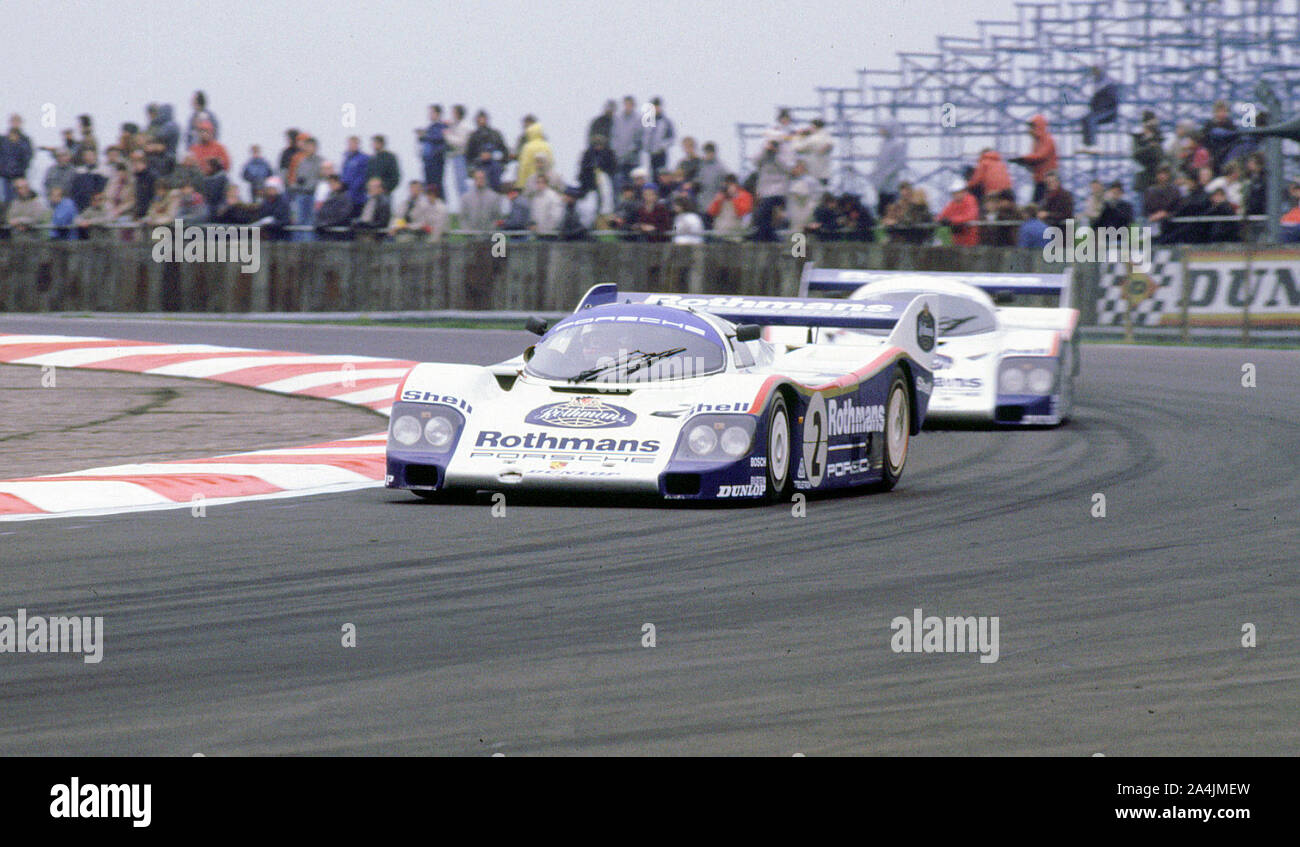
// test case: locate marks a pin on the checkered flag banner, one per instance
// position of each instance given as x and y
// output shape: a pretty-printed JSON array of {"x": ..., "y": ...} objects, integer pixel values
[{"x": 1154, "y": 294}]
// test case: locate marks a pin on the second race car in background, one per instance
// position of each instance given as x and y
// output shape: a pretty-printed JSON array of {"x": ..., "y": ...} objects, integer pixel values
[{"x": 994, "y": 362}]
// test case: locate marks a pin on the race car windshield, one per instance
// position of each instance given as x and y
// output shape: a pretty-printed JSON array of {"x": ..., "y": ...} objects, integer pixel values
[{"x": 618, "y": 351}]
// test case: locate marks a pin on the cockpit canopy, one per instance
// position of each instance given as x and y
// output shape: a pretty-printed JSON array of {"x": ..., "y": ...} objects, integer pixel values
[{"x": 623, "y": 343}]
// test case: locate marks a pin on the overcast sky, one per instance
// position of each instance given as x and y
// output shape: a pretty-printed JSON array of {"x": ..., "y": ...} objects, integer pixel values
[{"x": 273, "y": 64}]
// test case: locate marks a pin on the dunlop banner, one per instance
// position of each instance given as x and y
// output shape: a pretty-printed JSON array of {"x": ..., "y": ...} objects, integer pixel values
[{"x": 1222, "y": 286}]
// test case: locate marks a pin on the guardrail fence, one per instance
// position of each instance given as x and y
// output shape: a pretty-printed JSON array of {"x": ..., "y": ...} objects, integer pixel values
[{"x": 1235, "y": 290}]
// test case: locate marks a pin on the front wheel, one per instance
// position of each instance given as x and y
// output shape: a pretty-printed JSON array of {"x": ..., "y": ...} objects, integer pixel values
[
  {"x": 898, "y": 431},
  {"x": 779, "y": 479}
]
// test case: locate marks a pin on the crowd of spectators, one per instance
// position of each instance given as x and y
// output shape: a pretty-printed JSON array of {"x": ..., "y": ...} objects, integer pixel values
[
  {"x": 160, "y": 171},
  {"x": 1202, "y": 172},
  {"x": 1198, "y": 188},
  {"x": 626, "y": 183}
]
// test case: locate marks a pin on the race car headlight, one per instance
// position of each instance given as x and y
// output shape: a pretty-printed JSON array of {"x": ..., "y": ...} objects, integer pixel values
[
  {"x": 1040, "y": 381},
  {"x": 439, "y": 432},
  {"x": 1012, "y": 381},
  {"x": 1035, "y": 376},
  {"x": 702, "y": 440},
  {"x": 406, "y": 430},
  {"x": 716, "y": 438},
  {"x": 734, "y": 441},
  {"x": 429, "y": 427}
]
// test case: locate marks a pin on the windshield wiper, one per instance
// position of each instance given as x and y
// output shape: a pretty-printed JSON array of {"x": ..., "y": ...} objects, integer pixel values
[
  {"x": 583, "y": 376},
  {"x": 651, "y": 358},
  {"x": 633, "y": 361}
]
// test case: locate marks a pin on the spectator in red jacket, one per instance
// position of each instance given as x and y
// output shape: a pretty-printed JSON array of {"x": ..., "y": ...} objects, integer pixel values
[
  {"x": 1041, "y": 160},
  {"x": 1291, "y": 219},
  {"x": 990, "y": 175},
  {"x": 959, "y": 213},
  {"x": 730, "y": 207},
  {"x": 209, "y": 148},
  {"x": 1192, "y": 155}
]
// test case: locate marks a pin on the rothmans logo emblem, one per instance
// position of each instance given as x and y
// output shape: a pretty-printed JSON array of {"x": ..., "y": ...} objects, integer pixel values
[
  {"x": 925, "y": 331},
  {"x": 581, "y": 413}
]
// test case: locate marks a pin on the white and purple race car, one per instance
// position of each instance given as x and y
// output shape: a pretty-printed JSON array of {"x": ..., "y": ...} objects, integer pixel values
[
  {"x": 993, "y": 362},
  {"x": 676, "y": 396}
]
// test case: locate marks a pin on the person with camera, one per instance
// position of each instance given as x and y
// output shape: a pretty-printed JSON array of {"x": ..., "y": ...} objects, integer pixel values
[
  {"x": 1041, "y": 159},
  {"x": 730, "y": 207}
]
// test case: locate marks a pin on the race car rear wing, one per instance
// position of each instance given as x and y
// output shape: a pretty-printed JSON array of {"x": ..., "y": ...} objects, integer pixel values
[
  {"x": 762, "y": 310},
  {"x": 847, "y": 280}
]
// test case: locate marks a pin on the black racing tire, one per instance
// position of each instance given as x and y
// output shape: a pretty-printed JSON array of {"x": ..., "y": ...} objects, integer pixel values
[
  {"x": 780, "y": 473},
  {"x": 898, "y": 431},
  {"x": 1066, "y": 369}
]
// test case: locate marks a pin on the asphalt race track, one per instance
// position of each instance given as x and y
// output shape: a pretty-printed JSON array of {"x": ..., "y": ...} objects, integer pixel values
[
  {"x": 117, "y": 418},
  {"x": 522, "y": 634}
]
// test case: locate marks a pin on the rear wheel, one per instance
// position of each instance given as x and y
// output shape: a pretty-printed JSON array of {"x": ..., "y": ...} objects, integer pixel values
[
  {"x": 779, "y": 479},
  {"x": 898, "y": 431}
]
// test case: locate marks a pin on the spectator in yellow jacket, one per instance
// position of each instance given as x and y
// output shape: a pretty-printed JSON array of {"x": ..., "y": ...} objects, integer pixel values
[{"x": 534, "y": 144}]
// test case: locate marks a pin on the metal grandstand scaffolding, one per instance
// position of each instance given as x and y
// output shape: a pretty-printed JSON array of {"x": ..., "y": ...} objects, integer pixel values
[{"x": 1173, "y": 57}]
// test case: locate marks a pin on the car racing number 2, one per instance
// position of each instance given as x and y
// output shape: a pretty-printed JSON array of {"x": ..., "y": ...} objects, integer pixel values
[{"x": 815, "y": 445}]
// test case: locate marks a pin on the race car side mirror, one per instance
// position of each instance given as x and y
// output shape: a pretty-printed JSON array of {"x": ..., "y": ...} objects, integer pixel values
[
  {"x": 749, "y": 332},
  {"x": 537, "y": 326},
  {"x": 528, "y": 354}
]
